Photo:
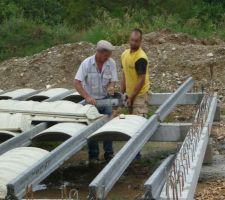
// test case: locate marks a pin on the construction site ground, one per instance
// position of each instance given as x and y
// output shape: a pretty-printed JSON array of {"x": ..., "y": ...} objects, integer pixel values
[{"x": 172, "y": 58}]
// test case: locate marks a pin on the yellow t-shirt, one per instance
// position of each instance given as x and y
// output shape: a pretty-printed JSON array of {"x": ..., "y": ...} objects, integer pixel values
[{"x": 128, "y": 60}]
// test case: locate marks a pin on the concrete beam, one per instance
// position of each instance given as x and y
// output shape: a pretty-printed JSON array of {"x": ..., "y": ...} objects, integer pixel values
[
  {"x": 208, "y": 158},
  {"x": 218, "y": 112},
  {"x": 171, "y": 132},
  {"x": 156, "y": 181},
  {"x": 187, "y": 99},
  {"x": 173, "y": 99}
]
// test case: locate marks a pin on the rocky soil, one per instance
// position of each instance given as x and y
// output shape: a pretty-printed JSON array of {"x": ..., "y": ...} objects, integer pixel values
[
  {"x": 172, "y": 58},
  {"x": 212, "y": 178}
]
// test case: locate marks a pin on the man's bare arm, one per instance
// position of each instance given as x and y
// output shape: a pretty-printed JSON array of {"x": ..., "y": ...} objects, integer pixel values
[
  {"x": 78, "y": 86},
  {"x": 123, "y": 83}
]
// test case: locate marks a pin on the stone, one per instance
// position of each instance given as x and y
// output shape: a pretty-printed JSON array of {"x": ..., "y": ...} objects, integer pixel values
[
  {"x": 176, "y": 75},
  {"x": 210, "y": 54},
  {"x": 48, "y": 86},
  {"x": 179, "y": 82}
]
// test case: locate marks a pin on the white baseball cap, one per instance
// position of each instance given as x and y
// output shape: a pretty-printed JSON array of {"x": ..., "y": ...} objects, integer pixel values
[{"x": 105, "y": 45}]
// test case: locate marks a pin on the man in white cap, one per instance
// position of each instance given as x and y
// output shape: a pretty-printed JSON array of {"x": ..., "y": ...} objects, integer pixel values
[{"x": 95, "y": 79}]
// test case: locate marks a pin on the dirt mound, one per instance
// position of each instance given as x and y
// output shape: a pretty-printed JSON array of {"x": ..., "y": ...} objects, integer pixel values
[
  {"x": 172, "y": 57},
  {"x": 168, "y": 36},
  {"x": 211, "y": 190},
  {"x": 55, "y": 66}
]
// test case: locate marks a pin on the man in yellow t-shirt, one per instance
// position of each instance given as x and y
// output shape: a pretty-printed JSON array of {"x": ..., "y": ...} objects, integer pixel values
[{"x": 135, "y": 78}]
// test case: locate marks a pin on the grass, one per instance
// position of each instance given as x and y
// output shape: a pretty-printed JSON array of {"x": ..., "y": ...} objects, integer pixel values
[
  {"x": 222, "y": 111},
  {"x": 21, "y": 37}
]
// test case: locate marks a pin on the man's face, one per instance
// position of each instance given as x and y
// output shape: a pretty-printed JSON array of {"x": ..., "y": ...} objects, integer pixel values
[
  {"x": 104, "y": 55},
  {"x": 135, "y": 40}
]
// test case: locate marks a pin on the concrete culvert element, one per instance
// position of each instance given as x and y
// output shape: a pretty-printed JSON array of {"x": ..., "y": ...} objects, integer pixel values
[
  {"x": 6, "y": 135},
  {"x": 60, "y": 132},
  {"x": 47, "y": 94},
  {"x": 16, "y": 162},
  {"x": 51, "y": 111},
  {"x": 74, "y": 97},
  {"x": 120, "y": 128},
  {"x": 16, "y": 122},
  {"x": 16, "y": 93}
]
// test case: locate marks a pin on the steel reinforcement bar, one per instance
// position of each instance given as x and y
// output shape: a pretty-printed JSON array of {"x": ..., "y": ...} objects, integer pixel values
[{"x": 103, "y": 183}]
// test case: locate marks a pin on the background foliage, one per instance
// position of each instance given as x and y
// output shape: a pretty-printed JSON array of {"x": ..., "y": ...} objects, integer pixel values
[{"x": 28, "y": 26}]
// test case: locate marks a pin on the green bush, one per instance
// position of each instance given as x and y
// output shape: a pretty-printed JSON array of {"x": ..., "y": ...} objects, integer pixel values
[
  {"x": 20, "y": 37},
  {"x": 28, "y": 26}
]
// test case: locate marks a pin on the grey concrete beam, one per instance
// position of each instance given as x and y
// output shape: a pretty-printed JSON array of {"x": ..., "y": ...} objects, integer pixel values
[
  {"x": 171, "y": 132},
  {"x": 187, "y": 99},
  {"x": 155, "y": 183},
  {"x": 218, "y": 112},
  {"x": 172, "y": 100},
  {"x": 23, "y": 139},
  {"x": 208, "y": 158}
]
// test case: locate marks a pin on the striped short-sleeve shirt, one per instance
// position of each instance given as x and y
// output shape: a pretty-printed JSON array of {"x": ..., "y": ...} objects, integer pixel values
[{"x": 94, "y": 81}]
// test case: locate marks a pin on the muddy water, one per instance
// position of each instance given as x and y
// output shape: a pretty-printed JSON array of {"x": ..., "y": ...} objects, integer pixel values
[{"x": 129, "y": 186}]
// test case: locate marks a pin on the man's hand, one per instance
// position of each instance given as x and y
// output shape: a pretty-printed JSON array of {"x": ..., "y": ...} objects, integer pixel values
[
  {"x": 90, "y": 100},
  {"x": 130, "y": 102}
]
